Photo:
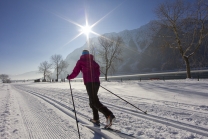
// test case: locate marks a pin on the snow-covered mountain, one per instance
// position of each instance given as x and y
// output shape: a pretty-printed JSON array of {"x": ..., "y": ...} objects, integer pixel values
[
  {"x": 135, "y": 42},
  {"x": 143, "y": 53}
]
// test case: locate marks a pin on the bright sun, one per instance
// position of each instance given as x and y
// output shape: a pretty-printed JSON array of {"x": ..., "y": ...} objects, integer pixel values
[{"x": 86, "y": 29}]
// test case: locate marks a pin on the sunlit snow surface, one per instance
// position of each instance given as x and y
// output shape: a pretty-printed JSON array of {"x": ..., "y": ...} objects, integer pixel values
[{"x": 176, "y": 109}]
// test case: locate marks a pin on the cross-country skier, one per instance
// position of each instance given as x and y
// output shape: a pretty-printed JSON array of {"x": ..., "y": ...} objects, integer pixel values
[{"x": 91, "y": 72}]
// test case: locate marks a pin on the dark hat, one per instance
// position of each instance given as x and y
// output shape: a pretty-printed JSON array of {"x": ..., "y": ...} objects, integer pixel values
[{"x": 85, "y": 52}]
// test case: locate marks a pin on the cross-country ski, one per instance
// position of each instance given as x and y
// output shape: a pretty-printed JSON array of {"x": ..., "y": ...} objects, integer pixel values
[{"x": 120, "y": 133}]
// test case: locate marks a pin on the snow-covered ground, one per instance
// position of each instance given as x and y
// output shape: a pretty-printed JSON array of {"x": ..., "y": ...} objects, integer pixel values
[{"x": 176, "y": 109}]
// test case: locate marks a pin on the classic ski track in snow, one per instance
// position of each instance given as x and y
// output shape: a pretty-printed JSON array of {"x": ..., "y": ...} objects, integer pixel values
[
  {"x": 41, "y": 123},
  {"x": 161, "y": 120},
  {"x": 10, "y": 117},
  {"x": 102, "y": 134}
]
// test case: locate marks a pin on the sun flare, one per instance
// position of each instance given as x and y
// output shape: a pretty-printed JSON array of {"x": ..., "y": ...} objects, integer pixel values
[{"x": 86, "y": 30}]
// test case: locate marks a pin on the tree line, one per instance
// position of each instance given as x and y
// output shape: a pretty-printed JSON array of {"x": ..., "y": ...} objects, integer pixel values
[
  {"x": 107, "y": 52},
  {"x": 57, "y": 63}
]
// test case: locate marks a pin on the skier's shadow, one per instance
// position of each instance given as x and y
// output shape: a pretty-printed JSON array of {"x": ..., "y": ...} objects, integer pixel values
[
  {"x": 97, "y": 136},
  {"x": 100, "y": 135}
]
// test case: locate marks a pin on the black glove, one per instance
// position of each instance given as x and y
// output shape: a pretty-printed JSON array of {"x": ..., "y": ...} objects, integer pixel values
[{"x": 67, "y": 77}]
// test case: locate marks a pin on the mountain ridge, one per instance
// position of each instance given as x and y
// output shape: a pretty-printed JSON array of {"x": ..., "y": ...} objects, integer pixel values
[
  {"x": 136, "y": 41},
  {"x": 142, "y": 54}
]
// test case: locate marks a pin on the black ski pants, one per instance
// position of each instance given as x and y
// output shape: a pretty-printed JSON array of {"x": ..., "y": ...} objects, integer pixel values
[{"x": 95, "y": 104}]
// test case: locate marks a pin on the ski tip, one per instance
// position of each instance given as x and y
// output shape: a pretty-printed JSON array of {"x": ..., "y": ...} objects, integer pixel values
[{"x": 145, "y": 112}]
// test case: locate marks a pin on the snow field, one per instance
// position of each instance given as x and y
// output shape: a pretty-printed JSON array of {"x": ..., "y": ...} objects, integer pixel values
[
  {"x": 10, "y": 117},
  {"x": 176, "y": 109}
]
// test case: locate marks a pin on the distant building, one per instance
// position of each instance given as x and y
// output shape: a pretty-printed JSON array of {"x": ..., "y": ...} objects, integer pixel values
[
  {"x": 37, "y": 80},
  {"x": 7, "y": 81}
]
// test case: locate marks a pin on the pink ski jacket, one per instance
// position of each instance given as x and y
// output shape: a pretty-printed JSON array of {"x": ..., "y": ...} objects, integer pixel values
[{"x": 89, "y": 68}]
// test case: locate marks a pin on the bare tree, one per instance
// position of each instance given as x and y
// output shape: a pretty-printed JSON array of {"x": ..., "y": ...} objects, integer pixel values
[
  {"x": 186, "y": 25},
  {"x": 49, "y": 76},
  {"x": 45, "y": 69},
  {"x": 109, "y": 53},
  {"x": 58, "y": 64},
  {"x": 92, "y": 47},
  {"x": 5, "y": 78},
  {"x": 62, "y": 67}
]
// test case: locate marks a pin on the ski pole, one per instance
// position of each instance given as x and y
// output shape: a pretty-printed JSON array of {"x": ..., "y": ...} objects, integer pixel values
[
  {"x": 145, "y": 112},
  {"x": 74, "y": 109}
]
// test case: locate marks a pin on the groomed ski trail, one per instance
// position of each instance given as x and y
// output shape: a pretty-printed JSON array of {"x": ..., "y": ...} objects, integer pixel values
[
  {"x": 176, "y": 124},
  {"x": 41, "y": 121},
  {"x": 38, "y": 123}
]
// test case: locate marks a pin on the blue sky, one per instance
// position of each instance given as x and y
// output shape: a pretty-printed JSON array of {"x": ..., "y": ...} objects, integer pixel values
[{"x": 32, "y": 31}]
